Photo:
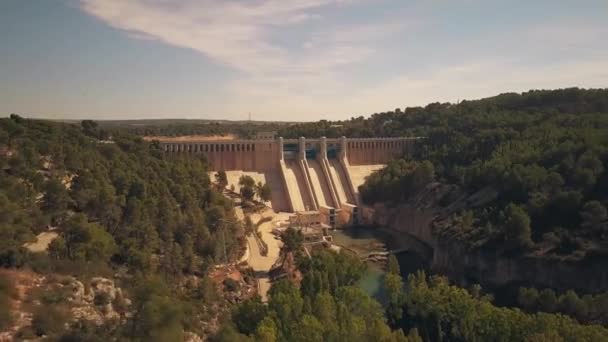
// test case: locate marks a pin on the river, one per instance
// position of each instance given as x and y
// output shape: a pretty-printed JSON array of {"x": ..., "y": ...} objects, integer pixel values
[{"x": 363, "y": 240}]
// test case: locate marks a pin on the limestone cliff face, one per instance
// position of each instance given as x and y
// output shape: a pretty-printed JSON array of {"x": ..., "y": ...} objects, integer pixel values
[
  {"x": 485, "y": 267},
  {"x": 489, "y": 268}
]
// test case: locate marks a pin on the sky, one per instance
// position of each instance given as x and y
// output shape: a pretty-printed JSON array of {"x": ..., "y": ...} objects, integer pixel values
[{"x": 288, "y": 60}]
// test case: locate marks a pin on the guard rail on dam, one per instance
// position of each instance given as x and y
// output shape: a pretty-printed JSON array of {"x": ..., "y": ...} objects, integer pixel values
[{"x": 315, "y": 174}]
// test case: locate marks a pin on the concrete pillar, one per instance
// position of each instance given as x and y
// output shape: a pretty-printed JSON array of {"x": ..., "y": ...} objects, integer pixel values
[
  {"x": 324, "y": 147},
  {"x": 281, "y": 148},
  {"x": 343, "y": 147},
  {"x": 302, "y": 148}
]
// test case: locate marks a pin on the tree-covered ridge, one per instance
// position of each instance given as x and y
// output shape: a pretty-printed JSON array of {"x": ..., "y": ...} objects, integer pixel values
[
  {"x": 543, "y": 153},
  {"x": 463, "y": 117},
  {"x": 128, "y": 188},
  {"x": 119, "y": 207},
  {"x": 449, "y": 313},
  {"x": 588, "y": 309},
  {"x": 182, "y": 127},
  {"x": 328, "y": 306}
]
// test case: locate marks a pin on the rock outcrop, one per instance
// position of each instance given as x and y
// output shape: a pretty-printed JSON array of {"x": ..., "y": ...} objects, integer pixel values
[
  {"x": 102, "y": 302},
  {"x": 491, "y": 268}
]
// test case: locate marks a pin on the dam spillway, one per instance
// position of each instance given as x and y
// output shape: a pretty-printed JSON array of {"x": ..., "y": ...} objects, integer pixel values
[
  {"x": 339, "y": 178},
  {"x": 320, "y": 184},
  {"x": 305, "y": 175},
  {"x": 296, "y": 189}
]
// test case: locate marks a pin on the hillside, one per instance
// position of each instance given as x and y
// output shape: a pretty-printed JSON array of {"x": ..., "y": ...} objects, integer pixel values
[{"x": 118, "y": 209}]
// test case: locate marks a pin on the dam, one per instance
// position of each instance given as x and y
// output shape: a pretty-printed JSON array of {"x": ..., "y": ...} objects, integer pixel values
[{"x": 305, "y": 175}]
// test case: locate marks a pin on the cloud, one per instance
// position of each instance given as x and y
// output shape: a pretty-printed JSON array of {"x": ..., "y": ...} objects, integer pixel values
[
  {"x": 473, "y": 79},
  {"x": 237, "y": 34},
  {"x": 294, "y": 57}
]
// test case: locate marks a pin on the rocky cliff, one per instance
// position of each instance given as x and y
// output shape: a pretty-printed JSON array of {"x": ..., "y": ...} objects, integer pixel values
[{"x": 490, "y": 268}]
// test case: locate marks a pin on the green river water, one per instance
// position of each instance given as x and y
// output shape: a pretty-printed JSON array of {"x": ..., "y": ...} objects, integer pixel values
[{"x": 363, "y": 240}]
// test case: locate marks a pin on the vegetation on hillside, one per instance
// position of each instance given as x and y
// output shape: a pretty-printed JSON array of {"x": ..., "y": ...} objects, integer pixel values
[
  {"x": 445, "y": 312},
  {"x": 181, "y": 127},
  {"x": 328, "y": 306},
  {"x": 121, "y": 206},
  {"x": 7, "y": 290},
  {"x": 586, "y": 309},
  {"x": 545, "y": 154}
]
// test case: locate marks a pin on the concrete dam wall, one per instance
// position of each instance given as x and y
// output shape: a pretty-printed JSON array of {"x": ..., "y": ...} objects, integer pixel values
[{"x": 306, "y": 175}]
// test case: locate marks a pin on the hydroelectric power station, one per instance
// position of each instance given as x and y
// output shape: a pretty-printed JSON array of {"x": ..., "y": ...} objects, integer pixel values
[{"x": 306, "y": 175}]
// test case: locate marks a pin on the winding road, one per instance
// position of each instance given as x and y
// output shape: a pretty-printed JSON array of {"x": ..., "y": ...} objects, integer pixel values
[{"x": 261, "y": 264}]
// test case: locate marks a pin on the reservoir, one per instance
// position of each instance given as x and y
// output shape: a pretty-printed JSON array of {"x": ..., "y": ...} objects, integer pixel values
[{"x": 365, "y": 239}]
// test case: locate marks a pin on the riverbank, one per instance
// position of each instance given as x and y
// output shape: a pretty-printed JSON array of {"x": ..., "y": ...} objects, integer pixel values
[{"x": 363, "y": 240}]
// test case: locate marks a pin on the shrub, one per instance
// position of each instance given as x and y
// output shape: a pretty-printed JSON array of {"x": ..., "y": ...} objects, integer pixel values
[
  {"x": 49, "y": 320},
  {"x": 231, "y": 285}
]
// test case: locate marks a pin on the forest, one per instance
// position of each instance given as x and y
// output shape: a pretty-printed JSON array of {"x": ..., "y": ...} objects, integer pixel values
[
  {"x": 119, "y": 208},
  {"x": 328, "y": 306},
  {"x": 177, "y": 127},
  {"x": 544, "y": 153}
]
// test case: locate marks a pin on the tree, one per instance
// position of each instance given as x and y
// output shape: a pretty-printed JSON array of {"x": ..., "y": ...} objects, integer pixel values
[
  {"x": 549, "y": 336},
  {"x": 246, "y": 181},
  {"x": 571, "y": 304},
  {"x": 56, "y": 197},
  {"x": 266, "y": 331},
  {"x": 324, "y": 308},
  {"x": 221, "y": 179},
  {"x": 264, "y": 192},
  {"x": 90, "y": 128},
  {"x": 156, "y": 316},
  {"x": 87, "y": 241},
  {"x": 249, "y": 314},
  {"x": 292, "y": 239},
  {"x": 396, "y": 299},
  {"x": 423, "y": 174},
  {"x": 13, "y": 128},
  {"x": 413, "y": 336},
  {"x": 436, "y": 303},
  {"x": 594, "y": 216},
  {"x": 528, "y": 298},
  {"x": 547, "y": 300},
  {"x": 517, "y": 227},
  {"x": 393, "y": 265},
  {"x": 309, "y": 329},
  {"x": 287, "y": 304},
  {"x": 247, "y": 187},
  {"x": 57, "y": 248},
  {"x": 50, "y": 319}
]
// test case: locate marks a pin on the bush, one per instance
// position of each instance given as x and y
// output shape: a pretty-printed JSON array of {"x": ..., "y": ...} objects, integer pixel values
[
  {"x": 102, "y": 298},
  {"x": 26, "y": 333},
  {"x": 231, "y": 285},
  {"x": 7, "y": 290},
  {"x": 49, "y": 320}
]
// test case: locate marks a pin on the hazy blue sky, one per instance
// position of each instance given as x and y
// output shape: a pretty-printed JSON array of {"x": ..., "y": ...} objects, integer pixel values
[{"x": 287, "y": 59}]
